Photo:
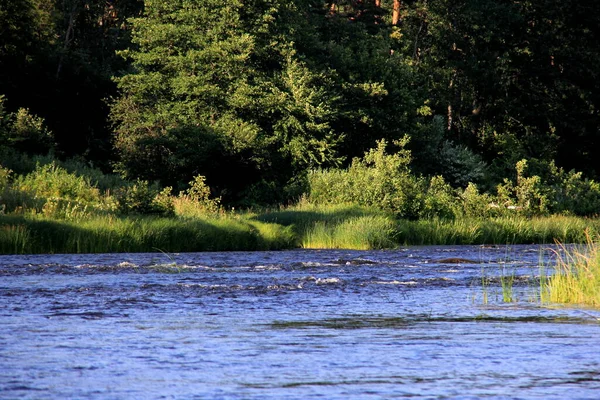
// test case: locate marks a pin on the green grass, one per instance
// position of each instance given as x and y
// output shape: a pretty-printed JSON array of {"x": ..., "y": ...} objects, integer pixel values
[
  {"x": 576, "y": 279},
  {"x": 513, "y": 230},
  {"x": 359, "y": 233},
  {"x": 300, "y": 226},
  {"x": 35, "y": 234}
]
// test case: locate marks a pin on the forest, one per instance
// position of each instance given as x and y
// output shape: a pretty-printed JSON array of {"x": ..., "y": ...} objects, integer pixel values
[{"x": 420, "y": 109}]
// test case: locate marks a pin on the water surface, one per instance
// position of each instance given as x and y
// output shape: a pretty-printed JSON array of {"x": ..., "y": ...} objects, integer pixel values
[{"x": 300, "y": 324}]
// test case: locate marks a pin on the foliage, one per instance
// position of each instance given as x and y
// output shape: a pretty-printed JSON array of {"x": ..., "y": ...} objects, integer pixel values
[
  {"x": 52, "y": 191},
  {"x": 507, "y": 78},
  {"x": 440, "y": 200},
  {"x": 197, "y": 199},
  {"x": 21, "y": 131},
  {"x": 551, "y": 191},
  {"x": 377, "y": 180},
  {"x": 499, "y": 100},
  {"x": 5, "y": 174},
  {"x": 145, "y": 199},
  {"x": 52, "y": 181},
  {"x": 254, "y": 82},
  {"x": 435, "y": 152}
]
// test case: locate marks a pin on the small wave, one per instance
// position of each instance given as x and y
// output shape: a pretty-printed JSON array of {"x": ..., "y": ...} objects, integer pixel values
[
  {"x": 328, "y": 281},
  {"x": 406, "y": 283},
  {"x": 127, "y": 264},
  {"x": 267, "y": 267}
]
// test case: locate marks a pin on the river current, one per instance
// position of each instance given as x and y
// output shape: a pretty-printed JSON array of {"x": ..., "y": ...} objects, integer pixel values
[{"x": 419, "y": 322}]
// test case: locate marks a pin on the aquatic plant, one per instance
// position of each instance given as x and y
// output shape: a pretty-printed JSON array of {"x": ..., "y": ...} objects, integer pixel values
[
  {"x": 507, "y": 281},
  {"x": 576, "y": 279}
]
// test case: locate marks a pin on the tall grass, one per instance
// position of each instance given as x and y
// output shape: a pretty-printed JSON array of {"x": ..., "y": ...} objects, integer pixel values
[
  {"x": 359, "y": 233},
  {"x": 500, "y": 230},
  {"x": 339, "y": 226},
  {"x": 104, "y": 234},
  {"x": 576, "y": 279}
]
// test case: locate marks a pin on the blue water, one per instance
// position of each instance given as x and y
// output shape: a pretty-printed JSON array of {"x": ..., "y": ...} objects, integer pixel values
[{"x": 291, "y": 325}]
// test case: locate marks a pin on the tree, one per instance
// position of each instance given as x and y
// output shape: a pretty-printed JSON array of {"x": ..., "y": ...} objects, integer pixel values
[
  {"x": 57, "y": 59},
  {"x": 281, "y": 87},
  {"x": 509, "y": 76}
]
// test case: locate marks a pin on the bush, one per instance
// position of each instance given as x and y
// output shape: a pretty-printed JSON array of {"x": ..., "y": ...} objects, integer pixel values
[
  {"x": 378, "y": 179},
  {"x": 5, "y": 174},
  {"x": 200, "y": 193},
  {"x": 552, "y": 191},
  {"x": 475, "y": 204},
  {"x": 24, "y": 132},
  {"x": 142, "y": 198},
  {"x": 52, "y": 181},
  {"x": 440, "y": 200}
]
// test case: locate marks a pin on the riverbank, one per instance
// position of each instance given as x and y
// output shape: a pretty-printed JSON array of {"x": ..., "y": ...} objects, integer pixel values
[{"x": 305, "y": 226}]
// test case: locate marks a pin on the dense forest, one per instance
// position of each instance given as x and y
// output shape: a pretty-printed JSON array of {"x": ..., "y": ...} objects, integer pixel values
[{"x": 266, "y": 101}]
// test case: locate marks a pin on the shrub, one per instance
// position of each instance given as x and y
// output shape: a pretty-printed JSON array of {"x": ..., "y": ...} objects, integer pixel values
[
  {"x": 440, "y": 200},
  {"x": 24, "y": 132},
  {"x": 52, "y": 181},
  {"x": 5, "y": 174},
  {"x": 200, "y": 193},
  {"x": 378, "y": 179},
  {"x": 142, "y": 198}
]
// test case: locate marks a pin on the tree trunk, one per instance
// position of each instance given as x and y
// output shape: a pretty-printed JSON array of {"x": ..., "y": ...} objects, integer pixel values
[
  {"x": 68, "y": 37},
  {"x": 332, "y": 7},
  {"x": 396, "y": 12}
]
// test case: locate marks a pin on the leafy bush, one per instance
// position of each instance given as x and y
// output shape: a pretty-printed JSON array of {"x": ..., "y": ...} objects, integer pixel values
[
  {"x": 528, "y": 195},
  {"x": 24, "y": 132},
  {"x": 5, "y": 174},
  {"x": 378, "y": 179},
  {"x": 552, "y": 191},
  {"x": 476, "y": 204},
  {"x": 196, "y": 201},
  {"x": 200, "y": 193},
  {"x": 440, "y": 200},
  {"x": 142, "y": 198},
  {"x": 571, "y": 193},
  {"x": 52, "y": 181}
]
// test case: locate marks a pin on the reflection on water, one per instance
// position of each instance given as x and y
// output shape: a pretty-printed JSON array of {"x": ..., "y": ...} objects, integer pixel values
[{"x": 293, "y": 325}]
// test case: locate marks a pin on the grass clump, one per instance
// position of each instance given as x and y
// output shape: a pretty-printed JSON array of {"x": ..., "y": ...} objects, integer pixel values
[
  {"x": 576, "y": 279},
  {"x": 359, "y": 233}
]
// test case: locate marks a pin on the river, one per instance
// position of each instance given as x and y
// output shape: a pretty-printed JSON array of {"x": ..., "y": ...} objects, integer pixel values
[{"x": 419, "y": 322}]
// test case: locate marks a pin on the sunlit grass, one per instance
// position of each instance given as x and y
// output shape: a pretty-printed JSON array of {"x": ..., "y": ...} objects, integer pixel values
[
  {"x": 576, "y": 279},
  {"x": 304, "y": 225},
  {"x": 359, "y": 233},
  {"x": 29, "y": 234},
  {"x": 501, "y": 230}
]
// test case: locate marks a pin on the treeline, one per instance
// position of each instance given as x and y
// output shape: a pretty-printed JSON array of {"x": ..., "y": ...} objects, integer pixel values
[{"x": 267, "y": 101}]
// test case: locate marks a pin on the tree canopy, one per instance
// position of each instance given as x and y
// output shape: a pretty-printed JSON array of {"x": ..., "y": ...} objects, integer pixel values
[{"x": 254, "y": 94}]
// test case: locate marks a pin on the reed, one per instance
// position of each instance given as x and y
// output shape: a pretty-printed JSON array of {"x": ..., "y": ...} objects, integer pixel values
[{"x": 576, "y": 279}]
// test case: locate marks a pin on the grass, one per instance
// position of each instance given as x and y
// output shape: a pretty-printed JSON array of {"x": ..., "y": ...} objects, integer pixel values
[
  {"x": 359, "y": 233},
  {"x": 301, "y": 226},
  {"x": 504, "y": 230},
  {"x": 108, "y": 234},
  {"x": 576, "y": 279}
]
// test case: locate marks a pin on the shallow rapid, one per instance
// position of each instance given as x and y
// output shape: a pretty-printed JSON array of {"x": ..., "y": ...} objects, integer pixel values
[{"x": 424, "y": 322}]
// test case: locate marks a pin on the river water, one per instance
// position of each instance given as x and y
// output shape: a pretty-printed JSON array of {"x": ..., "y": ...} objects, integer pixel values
[{"x": 300, "y": 324}]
